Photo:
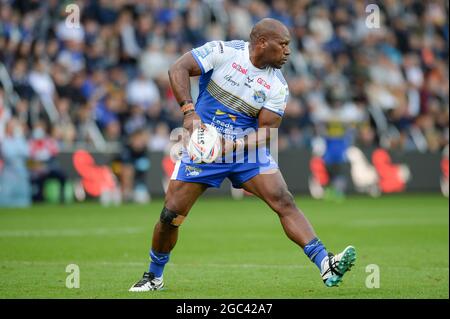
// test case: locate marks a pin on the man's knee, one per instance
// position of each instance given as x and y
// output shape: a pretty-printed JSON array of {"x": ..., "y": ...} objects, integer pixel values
[
  {"x": 169, "y": 217},
  {"x": 282, "y": 202}
]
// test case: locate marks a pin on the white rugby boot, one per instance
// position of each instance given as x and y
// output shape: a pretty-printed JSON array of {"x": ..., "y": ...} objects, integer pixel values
[
  {"x": 148, "y": 283},
  {"x": 335, "y": 266}
]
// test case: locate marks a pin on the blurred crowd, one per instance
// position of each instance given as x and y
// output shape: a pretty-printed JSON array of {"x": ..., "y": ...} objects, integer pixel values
[
  {"x": 94, "y": 72},
  {"x": 109, "y": 68}
]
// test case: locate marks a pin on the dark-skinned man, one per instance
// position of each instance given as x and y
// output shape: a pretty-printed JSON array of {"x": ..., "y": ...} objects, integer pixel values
[{"x": 242, "y": 90}]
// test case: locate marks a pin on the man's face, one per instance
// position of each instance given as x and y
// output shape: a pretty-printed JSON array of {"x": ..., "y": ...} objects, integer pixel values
[{"x": 277, "y": 50}]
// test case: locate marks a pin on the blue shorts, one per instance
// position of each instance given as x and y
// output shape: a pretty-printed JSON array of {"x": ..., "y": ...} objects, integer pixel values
[
  {"x": 336, "y": 151},
  {"x": 213, "y": 174}
]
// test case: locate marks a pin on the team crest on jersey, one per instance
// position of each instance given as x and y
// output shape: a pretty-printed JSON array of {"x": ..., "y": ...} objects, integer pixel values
[
  {"x": 192, "y": 171},
  {"x": 259, "y": 96}
]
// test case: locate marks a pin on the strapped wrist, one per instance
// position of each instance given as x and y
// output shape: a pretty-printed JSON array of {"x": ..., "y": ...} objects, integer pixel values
[
  {"x": 187, "y": 101},
  {"x": 187, "y": 108}
]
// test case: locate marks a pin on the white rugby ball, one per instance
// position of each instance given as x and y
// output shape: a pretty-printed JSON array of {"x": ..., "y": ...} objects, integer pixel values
[{"x": 204, "y": 144}]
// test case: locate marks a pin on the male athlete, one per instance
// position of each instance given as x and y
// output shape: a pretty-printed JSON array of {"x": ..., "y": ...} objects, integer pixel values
[{"x": 241, "y": 87}]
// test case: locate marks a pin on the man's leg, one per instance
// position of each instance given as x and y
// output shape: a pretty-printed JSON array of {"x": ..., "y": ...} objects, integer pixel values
[
  {"x": 180, "y": 197},
  {"x": 37, "y": 183},
  {"x": 273, "y": 190},
  {"x": 61, "y": 177}
]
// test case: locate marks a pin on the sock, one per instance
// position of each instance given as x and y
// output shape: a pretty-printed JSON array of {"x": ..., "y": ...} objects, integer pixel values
[
  {"x": 159, "y": 260},
  {"x": 316, "y": 251}
]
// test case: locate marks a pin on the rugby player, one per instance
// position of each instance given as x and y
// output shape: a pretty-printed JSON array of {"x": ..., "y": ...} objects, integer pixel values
[{"x": 241, "y": 87}]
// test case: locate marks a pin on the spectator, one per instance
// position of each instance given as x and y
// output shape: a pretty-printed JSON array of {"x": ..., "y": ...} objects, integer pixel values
[
  {"x": 155, "y": 61},
  {"x": 160, "y": 139},
  {"x": 107, "y": 116},
  {"x": 40, "y": 80},
  {"x": 400, "y": 69},
  {"x": 15, "y": 190},
  {"x": 21, "y": 80},
  {"x": 135, "y": 163},
  {"x": 5, "y": 113},
  {"x": 143, "y": 92},
  {"x": 43, "y": 162}
]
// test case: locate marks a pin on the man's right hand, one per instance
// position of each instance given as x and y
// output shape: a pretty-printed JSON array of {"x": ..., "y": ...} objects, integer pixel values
[{"x": 190, "y": 122}]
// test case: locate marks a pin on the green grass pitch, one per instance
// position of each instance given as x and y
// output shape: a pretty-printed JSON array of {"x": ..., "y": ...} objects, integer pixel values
[{"x": 227, "y": 249}]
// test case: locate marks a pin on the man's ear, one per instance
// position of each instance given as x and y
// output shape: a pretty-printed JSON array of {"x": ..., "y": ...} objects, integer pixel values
[{"x": 263, "y": 42}]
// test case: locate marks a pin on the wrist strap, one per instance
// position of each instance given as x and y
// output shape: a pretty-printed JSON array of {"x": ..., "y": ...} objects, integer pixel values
[
  {"x": 187, "y": 108},
  {"x": 182, "y": 103}
]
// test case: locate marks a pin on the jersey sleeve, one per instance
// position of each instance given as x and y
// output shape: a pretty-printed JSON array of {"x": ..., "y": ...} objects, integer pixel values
[
  {"x": 277, "y": 102},
  {"x": 210, "y": 55}
]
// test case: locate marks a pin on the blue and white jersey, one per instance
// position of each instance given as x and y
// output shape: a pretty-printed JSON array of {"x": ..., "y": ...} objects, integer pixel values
[{"x": 233, "y": 91}]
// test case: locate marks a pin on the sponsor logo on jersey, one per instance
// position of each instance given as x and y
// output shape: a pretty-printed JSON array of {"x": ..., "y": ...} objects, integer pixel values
[
  {"x": 263, "y": 83},
  {"x": 230, "y": 80},
  {"x": 239, "y": 68},
  {"x": 248, "y": 81},
  {"x": 259, "y": 96}
]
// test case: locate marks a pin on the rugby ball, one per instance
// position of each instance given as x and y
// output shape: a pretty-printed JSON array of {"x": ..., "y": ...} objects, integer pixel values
[{"x": 205, "y": 144}]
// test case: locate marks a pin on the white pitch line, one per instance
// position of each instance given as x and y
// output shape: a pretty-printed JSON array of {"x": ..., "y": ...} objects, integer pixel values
[
  {"x": 140, "y": 264},
  {"x": 71, "y": 232},
  {"x": 213, "y": 265},
  {"x": 394, "y": 222}
]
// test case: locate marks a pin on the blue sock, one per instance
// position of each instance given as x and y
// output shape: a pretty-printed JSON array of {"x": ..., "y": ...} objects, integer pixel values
[
  {"x": 315, "y": 251},
  {"x": 159, "y": 260}
]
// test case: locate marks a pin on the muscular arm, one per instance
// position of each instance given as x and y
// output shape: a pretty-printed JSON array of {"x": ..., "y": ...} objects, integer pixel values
[
  {"x": 179, "y": 74},
  {"x": 266, "y": 120}
]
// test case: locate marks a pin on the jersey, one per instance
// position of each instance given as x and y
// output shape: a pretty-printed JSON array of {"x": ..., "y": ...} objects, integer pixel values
[{"x": 232, "y": 92}]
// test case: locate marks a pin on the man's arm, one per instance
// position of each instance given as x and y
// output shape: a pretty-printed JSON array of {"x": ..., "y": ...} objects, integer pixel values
[
  {"x": 198, "y": 61},
  {"x": 266, "y": 120},
  {"x": 179, "y": 74}
]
